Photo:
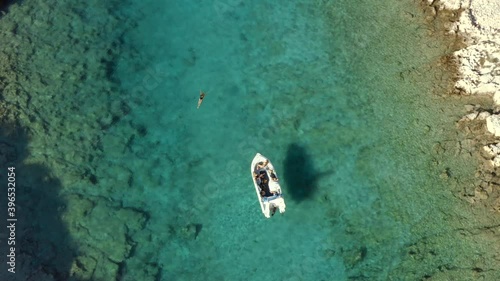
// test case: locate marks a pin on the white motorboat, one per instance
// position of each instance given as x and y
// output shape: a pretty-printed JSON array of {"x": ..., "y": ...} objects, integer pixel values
[{"x": 267, "y": 186}]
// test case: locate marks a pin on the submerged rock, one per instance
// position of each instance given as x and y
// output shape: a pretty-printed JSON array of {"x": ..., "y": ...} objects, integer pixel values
[
  {"x": 186, "y": 232},
  {"x": 103, "y": 233},
  {"x": 83, "y": 267}
]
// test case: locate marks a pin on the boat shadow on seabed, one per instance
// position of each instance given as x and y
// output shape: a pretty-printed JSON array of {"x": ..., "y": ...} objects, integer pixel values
[{"x": 299, "y": 173}]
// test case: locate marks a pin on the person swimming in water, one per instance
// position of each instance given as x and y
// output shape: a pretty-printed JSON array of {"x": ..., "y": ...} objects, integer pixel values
[{"x": 200, "y": 100}]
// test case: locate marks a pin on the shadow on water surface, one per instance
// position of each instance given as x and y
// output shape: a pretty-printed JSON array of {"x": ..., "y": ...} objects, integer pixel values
[
  {"x": 43, "y": 247},
  {"x": 300, "y": 175}
]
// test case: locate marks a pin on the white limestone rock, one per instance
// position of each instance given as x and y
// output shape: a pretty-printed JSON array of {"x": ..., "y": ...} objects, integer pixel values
[
  {"x": 483, "y": 115},
  {"x": 451, "y": 4},
  {"x": 495, "y": 162},
  {"x": 470, "y": 116},
  {"x": 493, "y": 150},
  {"x": 480, "y": 61},
  {"x": 476, "y": 116},
  {"x": 496, "y": 98},
  {"x": 486, "y": 13},
  {"x": 493, "y": 124}
]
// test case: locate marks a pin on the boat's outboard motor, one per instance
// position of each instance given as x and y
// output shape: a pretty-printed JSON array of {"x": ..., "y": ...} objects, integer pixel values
[{"x": 282, "y": 206}]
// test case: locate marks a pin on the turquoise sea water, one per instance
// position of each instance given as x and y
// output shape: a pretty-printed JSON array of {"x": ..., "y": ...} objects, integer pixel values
[{"x": 342, "y": 96}]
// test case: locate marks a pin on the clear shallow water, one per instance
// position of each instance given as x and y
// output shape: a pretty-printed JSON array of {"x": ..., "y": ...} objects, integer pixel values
[
  {"x": 339, "y": 95},
  {"x": 334, "y": 94}
]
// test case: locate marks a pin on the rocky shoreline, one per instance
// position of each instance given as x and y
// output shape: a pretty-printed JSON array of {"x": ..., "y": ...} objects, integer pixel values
[
  {"x": 475, "y": 68},
  {"x": 479, "y": 61}
]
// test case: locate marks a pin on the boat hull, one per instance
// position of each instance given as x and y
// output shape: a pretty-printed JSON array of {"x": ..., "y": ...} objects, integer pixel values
[{"x": 267, "y": 187}]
